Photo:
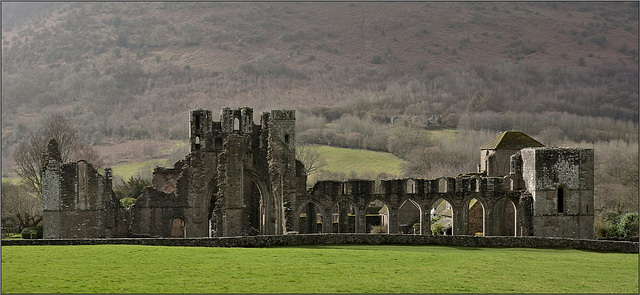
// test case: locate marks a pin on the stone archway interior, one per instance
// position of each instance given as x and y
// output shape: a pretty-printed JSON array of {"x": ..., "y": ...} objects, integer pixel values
[
  {"x": 504, "y": 218},
  {"x": 343, "y": 218},
  {"x": 310, "y": 219},
  {"x": 441, "y": 217},
  {"x": 377, "y": 217},
  {"x": 475, "y": 218},
  {"x": 409, "y": 218}
]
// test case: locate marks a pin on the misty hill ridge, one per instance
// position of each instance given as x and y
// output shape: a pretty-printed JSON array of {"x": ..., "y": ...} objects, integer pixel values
[
  {"x": 123, "y": 71},
  {"x": 219, "y": 36}
]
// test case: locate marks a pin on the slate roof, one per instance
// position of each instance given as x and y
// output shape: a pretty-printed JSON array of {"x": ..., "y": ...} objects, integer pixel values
[{"x": 511, "y": 140}]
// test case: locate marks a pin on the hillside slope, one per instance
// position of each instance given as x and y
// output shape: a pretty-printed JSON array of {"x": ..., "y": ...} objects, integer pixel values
[{"x": 124, "y": 71}]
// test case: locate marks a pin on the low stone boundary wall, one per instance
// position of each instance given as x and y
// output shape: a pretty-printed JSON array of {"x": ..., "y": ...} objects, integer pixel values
[{"x": 366, "y": 239}]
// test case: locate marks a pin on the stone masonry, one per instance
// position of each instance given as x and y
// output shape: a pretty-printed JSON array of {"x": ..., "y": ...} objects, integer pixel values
[{"x": 242, "y": 179}]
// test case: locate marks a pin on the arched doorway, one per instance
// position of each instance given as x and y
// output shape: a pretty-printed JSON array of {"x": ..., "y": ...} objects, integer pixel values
[
  {"x": 254, "y": 208},
  {"x": 178, "y": 229},
  {"x": 475, "y": 218},
  {"x": 343, "y": 217},
  {"x": 310, "y": 218},
  {"x": 256, "y": 205},
  {"x": 409, "y": 220},
  {"x": 377, "y": 217},
  {"x": 504, "y": 218},
  {"x": 441, "y": 217}
]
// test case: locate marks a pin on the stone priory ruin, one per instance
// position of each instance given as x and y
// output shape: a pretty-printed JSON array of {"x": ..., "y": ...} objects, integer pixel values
[{"x": 242, "y": 179}]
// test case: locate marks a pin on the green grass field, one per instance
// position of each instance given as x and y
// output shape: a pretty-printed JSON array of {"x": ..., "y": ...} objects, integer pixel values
[
  {"x": 124, "y": 171},
  {"x": 128, "y": 170},
  {"x": 314, "y": 269},
  {"x": 12, "y": 180},
  {"x": 362, "y": 162},
  {"x": 342, "y": 160}
]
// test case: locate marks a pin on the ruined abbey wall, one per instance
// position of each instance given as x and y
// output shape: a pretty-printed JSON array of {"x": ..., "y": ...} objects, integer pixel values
[
  {"x": 80, "y": 203},
  {"x": 332, "y": 197},
  {"x": 243, "y": 179},
  {"x": 561, "y": 182}
]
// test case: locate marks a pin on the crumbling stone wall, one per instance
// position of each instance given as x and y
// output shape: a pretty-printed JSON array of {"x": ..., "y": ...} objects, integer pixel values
[
  {"x": 78, "y": 201},
  {"x": 238, "y": 179},
  {"x": 342, "y": 239},
  {"x": 243, "y": 179},
  {"x": 424, "y": 195}
]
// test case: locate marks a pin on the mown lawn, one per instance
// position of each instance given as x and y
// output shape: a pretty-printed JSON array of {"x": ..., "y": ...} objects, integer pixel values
[{"x": 314, "y": 269}]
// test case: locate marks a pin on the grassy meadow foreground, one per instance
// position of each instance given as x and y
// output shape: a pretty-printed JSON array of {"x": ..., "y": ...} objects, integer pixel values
[{"x": 314, "y": 269}]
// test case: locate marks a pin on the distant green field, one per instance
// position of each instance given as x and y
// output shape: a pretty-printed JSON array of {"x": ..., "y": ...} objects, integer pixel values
[
  {"x": 338, "y": 160},
  {"x": 443, "y": 134},
  {"x": 124, "y": 171},
  {"x": 13, "y": 180},
  {"x": 314, "y": 269},
  {"x": 361, "y": 162},
  {"x": 128, "y": 170},
  {"x": 344, "y": 160}
]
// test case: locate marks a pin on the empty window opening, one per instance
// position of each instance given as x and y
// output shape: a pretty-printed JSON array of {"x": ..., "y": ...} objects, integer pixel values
[
  {"x": 411, "y": 186},
  {"x": 560, "y": 200},
  {"x": 442, "y": 185},
  {"x": 286, "y": 138},
  {"x": 197, "y": 142},
  {"x": 218, "y": 143},
  {"x": 197, "y": 122},
  {"x": 236, "y": 124},
  {"x": 82, "y": 185}
]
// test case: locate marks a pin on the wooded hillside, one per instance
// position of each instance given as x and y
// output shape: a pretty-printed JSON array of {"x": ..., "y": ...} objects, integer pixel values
[{"x": 132, "y": 70}]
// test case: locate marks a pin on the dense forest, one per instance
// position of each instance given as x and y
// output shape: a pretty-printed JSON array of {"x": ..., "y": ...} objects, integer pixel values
[{"x": 377, "y": 76}]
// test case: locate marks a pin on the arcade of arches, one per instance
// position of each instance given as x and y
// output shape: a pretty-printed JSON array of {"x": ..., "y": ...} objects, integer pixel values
[{"x": 404, "y": 206}]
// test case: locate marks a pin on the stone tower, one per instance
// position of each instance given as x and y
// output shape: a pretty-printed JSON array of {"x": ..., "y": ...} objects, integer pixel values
[
  {"x": 561, "y": 182},
  {"x": 238, "y": 179},
  {"x": 281, "y": 155}
]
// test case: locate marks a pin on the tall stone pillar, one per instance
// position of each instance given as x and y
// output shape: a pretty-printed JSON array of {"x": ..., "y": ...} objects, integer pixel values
[
  {"x": 425, "y": 222},
  {"x": 393, "y": 221},
  {"x": 459, "y": 226},
  {"x": 231, "y": 174},
  {"x": 343, "y": 218},
  {"x": 327, "y": 223},
  {"x": 361, "y": 220},
  {"x": 488, "y": 221},
  {"x": 282, "y": 168}
]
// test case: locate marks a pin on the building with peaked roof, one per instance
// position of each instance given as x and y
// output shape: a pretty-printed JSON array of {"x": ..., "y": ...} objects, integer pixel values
[{"x": 495, "y": 155}]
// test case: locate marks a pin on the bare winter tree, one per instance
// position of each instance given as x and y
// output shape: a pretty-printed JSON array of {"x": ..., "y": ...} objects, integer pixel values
[
  {"x": 311, "y": 158},
  {"x": 19, "y": 207},
  {"x": 30, "y": 155}
]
